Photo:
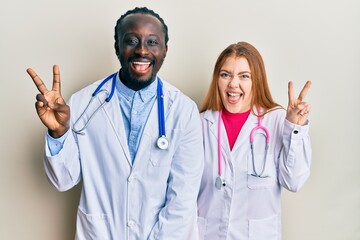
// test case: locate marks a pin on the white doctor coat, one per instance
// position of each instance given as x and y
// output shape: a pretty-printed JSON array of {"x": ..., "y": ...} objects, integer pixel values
[
  {"x": 152, "y": 198},
  {"x": 248, "y": 207}
]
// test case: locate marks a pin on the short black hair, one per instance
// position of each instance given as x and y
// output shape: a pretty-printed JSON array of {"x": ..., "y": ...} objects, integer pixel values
[{"x": 142, "y": 10}]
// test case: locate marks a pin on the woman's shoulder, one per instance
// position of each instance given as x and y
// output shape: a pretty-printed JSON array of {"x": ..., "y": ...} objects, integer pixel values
[{"x": 276, "y": 113}]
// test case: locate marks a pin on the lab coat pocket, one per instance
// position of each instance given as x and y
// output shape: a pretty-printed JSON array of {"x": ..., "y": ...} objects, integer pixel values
[
  {"x": 201, "y": 222},
  {"x": 261, "y": 172},
  {"x": 268, "y": 228},
  {"x": 163, "y": 157},
  {"x": 92, "y": 226}
]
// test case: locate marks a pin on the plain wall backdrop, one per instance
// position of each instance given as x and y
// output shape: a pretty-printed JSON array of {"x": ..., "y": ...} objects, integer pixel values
[{"x": 299, "y": 41}]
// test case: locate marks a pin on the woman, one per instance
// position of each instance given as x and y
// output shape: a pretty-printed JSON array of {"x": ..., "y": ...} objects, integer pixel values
[{"x": 240, "y": 191}]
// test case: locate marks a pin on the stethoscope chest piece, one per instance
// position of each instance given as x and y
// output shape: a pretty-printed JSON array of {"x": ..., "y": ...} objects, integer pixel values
[
  {"x": 220, "y": 182},
  {"x": 162, "y": 142}
]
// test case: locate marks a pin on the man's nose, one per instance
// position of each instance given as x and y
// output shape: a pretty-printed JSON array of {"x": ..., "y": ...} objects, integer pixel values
[{"x": 141, "y": 49}]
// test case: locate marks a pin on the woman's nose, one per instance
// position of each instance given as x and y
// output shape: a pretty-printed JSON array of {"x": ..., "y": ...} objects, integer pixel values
[{"x": 234, "y": 82}]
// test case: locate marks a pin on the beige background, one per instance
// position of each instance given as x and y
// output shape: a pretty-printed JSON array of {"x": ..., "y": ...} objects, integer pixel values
[{"x": 299, "y": 40}]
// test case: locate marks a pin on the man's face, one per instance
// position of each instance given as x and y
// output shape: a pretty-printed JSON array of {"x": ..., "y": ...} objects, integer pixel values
[{"x": 141, "y": 49}]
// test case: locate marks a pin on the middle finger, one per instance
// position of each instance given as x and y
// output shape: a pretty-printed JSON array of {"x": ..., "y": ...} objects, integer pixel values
[{"x": 304, "y": 90}]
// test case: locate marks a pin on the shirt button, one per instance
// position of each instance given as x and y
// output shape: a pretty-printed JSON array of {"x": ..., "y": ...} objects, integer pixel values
[
  {"x": 131, "y": 224},
  {"x": 296, "y": 131}
]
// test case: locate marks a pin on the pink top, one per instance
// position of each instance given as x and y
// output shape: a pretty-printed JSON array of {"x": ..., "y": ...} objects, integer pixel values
[{"x": 233, "y": 123}]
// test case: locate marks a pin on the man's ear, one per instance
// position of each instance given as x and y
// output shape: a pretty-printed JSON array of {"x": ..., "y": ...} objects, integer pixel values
[
  {"x": 116, "y": 49},
  {"x": 166, "y": 49}
]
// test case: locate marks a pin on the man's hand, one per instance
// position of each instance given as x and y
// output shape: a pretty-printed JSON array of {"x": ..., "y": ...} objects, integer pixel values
[{"x": 50, "y": 106}]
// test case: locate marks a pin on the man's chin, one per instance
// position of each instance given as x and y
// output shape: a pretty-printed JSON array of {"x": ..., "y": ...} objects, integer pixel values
[{"x": 138, "y": 83}]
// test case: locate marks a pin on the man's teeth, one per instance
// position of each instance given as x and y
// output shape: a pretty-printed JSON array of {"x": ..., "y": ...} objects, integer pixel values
[
  {"x": 141, "y": 66},
  {"x": 142, "y": 63}
]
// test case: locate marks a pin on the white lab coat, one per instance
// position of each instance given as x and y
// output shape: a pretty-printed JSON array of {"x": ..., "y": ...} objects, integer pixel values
[
  {"x": 248, "y": 207},
  {"x": 154, "y": 198}
]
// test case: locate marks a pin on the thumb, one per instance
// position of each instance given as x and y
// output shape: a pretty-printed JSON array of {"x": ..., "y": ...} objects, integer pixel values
[
  {"x": 301, "y": 106},
  {"x": 59, "y": 107}
]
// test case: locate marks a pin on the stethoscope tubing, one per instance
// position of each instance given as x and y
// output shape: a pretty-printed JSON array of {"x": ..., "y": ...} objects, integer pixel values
[
  {"x": 113, "y": 84},
  {"x": 252, "y": 135},
  {"x": 97, "y": 91},
  {"x": 161, "y": 114},
  {"x": 162, "y": 142},
  {"x": 220, "y": 170}
]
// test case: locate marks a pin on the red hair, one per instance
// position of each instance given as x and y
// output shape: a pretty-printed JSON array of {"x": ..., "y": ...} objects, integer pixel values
[{"x": 261, "y": 96}]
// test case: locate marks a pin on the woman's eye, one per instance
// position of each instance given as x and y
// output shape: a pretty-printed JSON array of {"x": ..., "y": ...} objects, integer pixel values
[
  {"x": 245, "y": 76},
  {"x": 225, "y": 75}
]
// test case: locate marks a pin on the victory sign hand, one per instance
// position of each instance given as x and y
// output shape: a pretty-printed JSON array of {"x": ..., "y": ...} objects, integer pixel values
[
  {"x": 298, "y": 110},
  {"x": 50, "y": 106}
]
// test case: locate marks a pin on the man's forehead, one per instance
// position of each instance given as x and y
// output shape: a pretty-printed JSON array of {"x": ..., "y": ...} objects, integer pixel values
[
  {"x": 142, "y": 22},
  {"x": 136, "y": 17}
]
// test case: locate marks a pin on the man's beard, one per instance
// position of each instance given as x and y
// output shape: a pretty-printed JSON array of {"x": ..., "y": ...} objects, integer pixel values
[{"x": 134, "y": 83}]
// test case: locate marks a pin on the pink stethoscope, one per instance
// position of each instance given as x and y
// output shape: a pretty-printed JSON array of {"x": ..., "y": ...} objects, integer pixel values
[{"x": 219, "y": 182}]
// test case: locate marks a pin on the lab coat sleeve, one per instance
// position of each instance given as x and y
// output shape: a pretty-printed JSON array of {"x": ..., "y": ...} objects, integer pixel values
[
  {"x": 177, "y": 219},
  {"x": 63, "y": 169},
  {"x": 295, "y": 156}
]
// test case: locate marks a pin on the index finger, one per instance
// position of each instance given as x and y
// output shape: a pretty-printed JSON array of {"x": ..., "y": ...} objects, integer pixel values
[
  {"x": 37, "y": 80},
  {"x": 290, "y": 91},
  {"x": 56, "y": 78},
  {"x": 304, "y": 90}
]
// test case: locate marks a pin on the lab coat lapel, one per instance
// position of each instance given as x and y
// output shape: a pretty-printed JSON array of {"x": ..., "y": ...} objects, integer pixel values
[
  {"x": 213, "y": 121},
  {"x": 112, "y": 112},
  {"x": 151, "y": 129},
  {"x": 146, "y": 141}
]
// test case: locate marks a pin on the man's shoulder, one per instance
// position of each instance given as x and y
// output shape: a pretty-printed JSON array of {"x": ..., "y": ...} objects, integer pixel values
[
  {"x": 89, "y": 89},
  {"x": 176, "y": 94}
]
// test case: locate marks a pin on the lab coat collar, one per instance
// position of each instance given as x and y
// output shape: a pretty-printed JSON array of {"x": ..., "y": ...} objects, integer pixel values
[
  {"x": 145, "y": 93},
  {"x": 151, "y": 130},
  {"x": 112, "y": 112},
  {"x": 149, "y": 136},
  {"x": 213, "y": 116}
]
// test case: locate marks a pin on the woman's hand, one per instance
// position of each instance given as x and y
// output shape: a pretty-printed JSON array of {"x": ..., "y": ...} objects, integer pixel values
[
  {"x": 298, "y": 110},
  {"x": 50, "y": 106}
]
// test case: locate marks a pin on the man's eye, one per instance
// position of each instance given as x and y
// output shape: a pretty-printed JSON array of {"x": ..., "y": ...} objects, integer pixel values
[
  {"x": 132, "y": 41},
  {"x": 152, "y": 42}
]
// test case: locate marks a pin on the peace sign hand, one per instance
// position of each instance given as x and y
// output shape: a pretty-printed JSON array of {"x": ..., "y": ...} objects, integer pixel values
[
  {"x": 50, "y": 106},
  {"x": 298, "y": 110}
]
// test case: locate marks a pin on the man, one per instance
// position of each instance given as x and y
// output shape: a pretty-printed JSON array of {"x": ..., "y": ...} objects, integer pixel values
[{"x": 136, "y": 185}]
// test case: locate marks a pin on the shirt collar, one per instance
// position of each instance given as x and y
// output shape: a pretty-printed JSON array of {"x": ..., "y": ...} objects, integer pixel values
[{"x": 145, "y": 93}]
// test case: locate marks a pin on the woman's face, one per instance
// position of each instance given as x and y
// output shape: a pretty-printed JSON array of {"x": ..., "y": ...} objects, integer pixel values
[{"x": 235, "y": 84}]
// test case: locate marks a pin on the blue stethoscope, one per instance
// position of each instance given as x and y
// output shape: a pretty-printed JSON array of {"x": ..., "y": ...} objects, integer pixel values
[
  {"x": 220, "y": 181},
  {"x": 162, "y": 141}
]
